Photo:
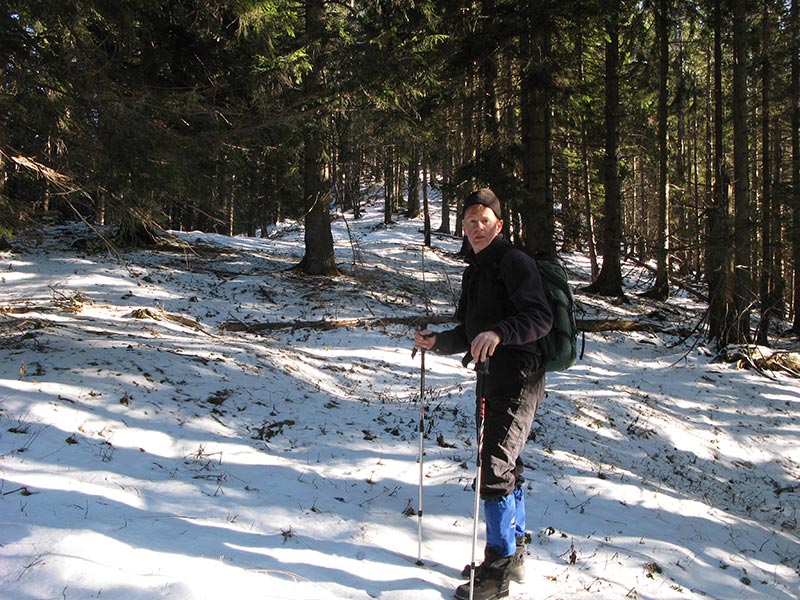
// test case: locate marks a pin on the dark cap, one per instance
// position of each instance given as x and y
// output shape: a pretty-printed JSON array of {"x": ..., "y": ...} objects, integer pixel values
[{"x": 485, "y": 197}]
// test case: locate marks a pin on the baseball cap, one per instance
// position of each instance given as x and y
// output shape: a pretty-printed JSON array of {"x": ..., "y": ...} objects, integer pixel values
[{"x": 484, "y": 197}]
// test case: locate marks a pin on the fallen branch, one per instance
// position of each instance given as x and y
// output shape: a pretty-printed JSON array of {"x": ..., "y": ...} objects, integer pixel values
[
  {"x": 162, "y": 315},
  {"x": 593, "y": 325},
  {"x": 760, "y": 358},
  {"x": 21, "y": 310},
  {"x": 326, "y": 324},
  {"x": 598, "y": 325}
]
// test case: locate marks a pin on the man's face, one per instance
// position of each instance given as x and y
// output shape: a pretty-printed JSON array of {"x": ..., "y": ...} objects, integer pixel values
[{"x": 481, "y": 226}]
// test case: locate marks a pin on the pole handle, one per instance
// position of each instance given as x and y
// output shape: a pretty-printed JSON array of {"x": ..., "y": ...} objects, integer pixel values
[{"x": 414, "y": 351}]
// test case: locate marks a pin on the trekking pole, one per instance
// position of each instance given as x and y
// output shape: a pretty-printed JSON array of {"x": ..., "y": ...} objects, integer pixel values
[
  {"x": 482, "y": 369},
  {"x": 421, "y": 453},
  {"x": 421, "y": 416},
  {"x": 421, "y": 449}
]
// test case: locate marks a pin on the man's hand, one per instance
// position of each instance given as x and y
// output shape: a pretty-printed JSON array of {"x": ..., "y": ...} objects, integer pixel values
[
  {"x": 483, "y": 345},
  {"x": 424, "y": 340}
]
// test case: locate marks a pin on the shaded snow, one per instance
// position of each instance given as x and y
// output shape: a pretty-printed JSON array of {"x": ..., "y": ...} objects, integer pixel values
[{"x": 154, "y": 454}]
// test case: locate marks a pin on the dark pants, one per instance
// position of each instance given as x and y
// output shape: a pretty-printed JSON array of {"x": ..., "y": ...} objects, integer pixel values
[{"x": 513, "y": 390}]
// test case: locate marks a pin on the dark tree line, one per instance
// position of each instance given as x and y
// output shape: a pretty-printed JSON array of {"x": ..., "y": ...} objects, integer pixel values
[{"x": 665, "y": 130}]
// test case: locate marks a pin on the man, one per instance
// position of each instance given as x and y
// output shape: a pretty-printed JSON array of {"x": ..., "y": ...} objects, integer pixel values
[{"x": 501, "y": 314}]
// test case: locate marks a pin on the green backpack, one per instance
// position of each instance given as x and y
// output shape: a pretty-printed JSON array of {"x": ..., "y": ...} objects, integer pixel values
[{"x": 560, "y": 346}]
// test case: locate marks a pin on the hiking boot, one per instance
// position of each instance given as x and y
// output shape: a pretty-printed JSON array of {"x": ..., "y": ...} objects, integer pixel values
[
  {"x": 491, "y": 580},
  {"x": 516, "y": 571}
]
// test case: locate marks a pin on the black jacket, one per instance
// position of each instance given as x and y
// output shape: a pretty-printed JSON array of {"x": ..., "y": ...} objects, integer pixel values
[{"x": 501, "y": 291}]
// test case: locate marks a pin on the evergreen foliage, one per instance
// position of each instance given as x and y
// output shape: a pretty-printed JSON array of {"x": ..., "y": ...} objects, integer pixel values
[{"x": 201, "y": 115}]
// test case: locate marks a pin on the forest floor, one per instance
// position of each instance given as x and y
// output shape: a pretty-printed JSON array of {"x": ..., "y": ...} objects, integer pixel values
[{"x": 148, "y": 449}]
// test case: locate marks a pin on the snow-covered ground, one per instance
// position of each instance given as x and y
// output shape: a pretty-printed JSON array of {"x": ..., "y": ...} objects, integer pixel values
[{"x": 148, "y": 450}]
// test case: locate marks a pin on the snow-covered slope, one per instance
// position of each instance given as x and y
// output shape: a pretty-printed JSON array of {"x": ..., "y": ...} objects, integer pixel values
[{"x": 149, "y": 451}]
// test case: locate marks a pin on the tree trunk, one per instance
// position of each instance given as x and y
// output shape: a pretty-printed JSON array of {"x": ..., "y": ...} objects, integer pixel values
[
  {"x": 230, "y": 203},
  {"x": 609, "y": 281},
  {"x": 412, "y": 208},
  {"x": 679, "y": 197},
  {"x": 388, "y": 186},
  {"x": 742, "y": 238},
  {"x": 795, "y": 203},
  {"x": 571, "y": 207},
  {"x": 319, "y": 257},
  {"x": 766, "y": 284},
  {"x": 447, "y": 189},
  {"x": 467, "y": 143},
  {"x": 491, "y": 105},
  {"x": 660, "y": 289},
  {"x": 426, "y": 213},
  {"x": 719, "y": 260},
  {"x": 537, "y": 209},
  {"x": 350, "y": 166},
  {"x": 399, "y": 179},
  {"x": 586, "y": 182},
  {"x": 100, "y": 206}
]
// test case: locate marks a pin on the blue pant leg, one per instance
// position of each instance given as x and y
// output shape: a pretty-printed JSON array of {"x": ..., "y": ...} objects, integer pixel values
[
  {"x": 519, "y": 520},
  {"x": 501, "y": 524}
]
